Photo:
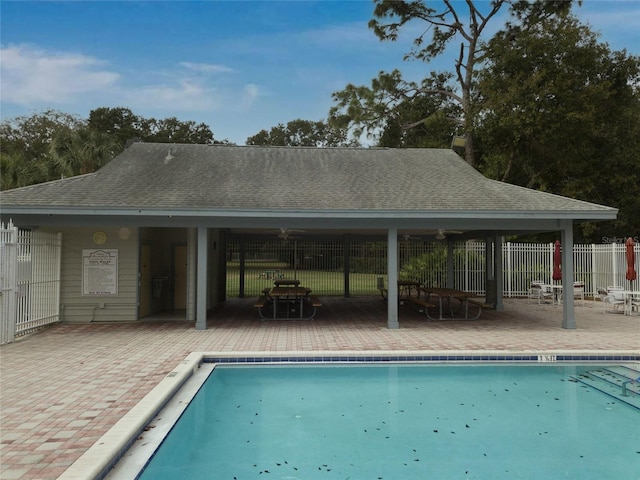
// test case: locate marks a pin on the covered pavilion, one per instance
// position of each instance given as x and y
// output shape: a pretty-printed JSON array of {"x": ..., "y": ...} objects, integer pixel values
[{"x": 211, "y": 191}]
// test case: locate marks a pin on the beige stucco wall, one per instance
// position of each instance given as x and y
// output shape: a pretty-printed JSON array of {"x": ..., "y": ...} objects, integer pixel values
[{"x": 78, "y": 308}]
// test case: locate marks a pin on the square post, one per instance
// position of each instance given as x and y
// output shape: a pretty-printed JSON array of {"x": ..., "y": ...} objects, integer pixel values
[
  {"x": 201, "y": 279},
  {"x": 566, "y": 240},
  {"x": 392, "y": 275},
  {"x": 499, "y": 274}
]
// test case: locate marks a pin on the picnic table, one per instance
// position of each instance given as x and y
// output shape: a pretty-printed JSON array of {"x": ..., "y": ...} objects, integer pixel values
[
  {"x": 287, "y": 283},
  {"x": 449, "y": 295},
  {"x": 405, "y": 287},
  {"x": 287, "y": 303},
  {"x": 631, "y": 301}
]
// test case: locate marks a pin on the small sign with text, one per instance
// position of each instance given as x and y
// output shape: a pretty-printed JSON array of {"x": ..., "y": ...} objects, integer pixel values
[{"x": 547, "y": 358}]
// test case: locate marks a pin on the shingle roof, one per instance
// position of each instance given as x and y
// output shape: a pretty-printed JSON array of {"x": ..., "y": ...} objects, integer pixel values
[{"x": 219, "y": 177}]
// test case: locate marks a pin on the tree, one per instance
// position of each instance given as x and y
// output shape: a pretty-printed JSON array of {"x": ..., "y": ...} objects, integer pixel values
[
  {"x": 302, "y": 133},
  {"x": 52, "y": 144},
  {"x": 386, "y": 111},
  {"x": 561, "y": 113},
  {"x": 122, "y": 124},
  {"x": 25, "y": 140},
  {"x": 445, "y": 25},
  {"x": 81, "y": 151},
  {"x": 172, "y": 130}
]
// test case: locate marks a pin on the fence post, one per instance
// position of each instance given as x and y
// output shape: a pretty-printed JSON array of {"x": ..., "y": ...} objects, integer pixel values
[
  {"x": 8, "y": 279},
  {"x": 614, "y": 264},
  {"x": 509, "y": 270},
  {"x": 594, "y": 287}
]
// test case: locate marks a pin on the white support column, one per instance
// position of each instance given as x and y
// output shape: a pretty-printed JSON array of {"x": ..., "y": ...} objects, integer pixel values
[
  {"x": 392, "y": 276},
  {"x": 566, "y": 239},
  {"x": 201, "y": 283}
]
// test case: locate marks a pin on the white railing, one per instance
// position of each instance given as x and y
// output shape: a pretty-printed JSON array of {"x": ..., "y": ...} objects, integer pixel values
[
  {"x": 30, "y": 280},
  {"x": 8, "y": 264},
  {"x": 314, "y": 261},
  {"x": 597, "y": 265}
]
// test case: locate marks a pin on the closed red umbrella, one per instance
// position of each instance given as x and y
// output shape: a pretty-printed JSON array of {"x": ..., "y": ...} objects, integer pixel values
[
  {"x": 557, "y": 262},
  {"x": 631, "y": 260}
]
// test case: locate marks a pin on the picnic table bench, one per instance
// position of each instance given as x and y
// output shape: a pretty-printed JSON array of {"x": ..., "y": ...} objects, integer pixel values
[
  {"x": 287, "y": 303},
  {"x": 405, "y": 288},
  {"x": 420, "y": 302},
  {"x": 449, "y": 294}
]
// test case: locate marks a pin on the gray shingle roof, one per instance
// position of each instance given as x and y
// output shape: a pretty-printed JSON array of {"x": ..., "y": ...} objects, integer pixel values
[{"x": 201, "y": 177}]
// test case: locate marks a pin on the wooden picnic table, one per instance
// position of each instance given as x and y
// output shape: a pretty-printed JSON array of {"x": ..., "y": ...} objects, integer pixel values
[
  {"x": 450, "y": 294},
  {"x": 405, "y": 288},
  {"x": 287, "y": 282},
  {"x": 286, "y": 300}
]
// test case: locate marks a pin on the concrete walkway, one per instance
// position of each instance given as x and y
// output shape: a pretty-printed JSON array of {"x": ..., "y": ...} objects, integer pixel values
[{"x": 62, "y": 388}]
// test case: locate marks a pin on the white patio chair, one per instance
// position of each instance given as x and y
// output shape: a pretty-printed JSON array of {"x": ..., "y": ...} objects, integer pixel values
[
  {"x": 612, "y": 296},
  {"x": 540, "y": 291},
  {"x": 534, "y": 290},
  {"x": 635, "y": 303}
]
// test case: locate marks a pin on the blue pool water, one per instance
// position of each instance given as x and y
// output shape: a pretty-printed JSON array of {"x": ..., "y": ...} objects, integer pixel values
[{"x": 400, "y": 422}]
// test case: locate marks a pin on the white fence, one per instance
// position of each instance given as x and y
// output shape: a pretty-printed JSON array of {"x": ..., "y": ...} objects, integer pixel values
[
  {"x": 29, "y": 280},
  {"x": 320, "y": 265},
  {"x": 597, "y": 265}
]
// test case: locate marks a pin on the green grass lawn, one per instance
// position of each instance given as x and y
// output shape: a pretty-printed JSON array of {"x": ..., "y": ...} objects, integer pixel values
[{"x": 319, "y": 281}]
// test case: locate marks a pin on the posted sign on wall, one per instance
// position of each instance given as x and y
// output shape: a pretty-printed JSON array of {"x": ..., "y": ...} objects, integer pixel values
[{"x": 100, "y": 272}]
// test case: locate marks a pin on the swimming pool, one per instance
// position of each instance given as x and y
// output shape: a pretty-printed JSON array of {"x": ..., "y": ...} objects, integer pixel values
[{"x": 396, "y": 421}]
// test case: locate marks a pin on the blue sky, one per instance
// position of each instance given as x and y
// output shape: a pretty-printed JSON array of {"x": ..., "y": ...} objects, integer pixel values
[{"x": 238, "y": 66}]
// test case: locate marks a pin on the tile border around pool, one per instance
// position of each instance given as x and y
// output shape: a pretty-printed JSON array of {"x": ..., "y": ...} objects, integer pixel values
[
  {"x": 102, "y": 456},
  {"x": 407, "y": 356}
]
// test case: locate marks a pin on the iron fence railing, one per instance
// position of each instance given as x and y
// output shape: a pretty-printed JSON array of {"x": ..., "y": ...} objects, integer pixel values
[
  {"x": 321, "y": 265},
  {"x": 29, "y": 280}
]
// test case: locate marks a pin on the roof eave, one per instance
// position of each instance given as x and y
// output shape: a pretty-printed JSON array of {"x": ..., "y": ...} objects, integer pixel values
[{"x": 603, "y": 213}]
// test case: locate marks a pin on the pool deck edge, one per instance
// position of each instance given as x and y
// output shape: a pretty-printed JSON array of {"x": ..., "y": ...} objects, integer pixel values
[
  {"x": 101, "y": 456},
  {"x": 96, "y": 462}
]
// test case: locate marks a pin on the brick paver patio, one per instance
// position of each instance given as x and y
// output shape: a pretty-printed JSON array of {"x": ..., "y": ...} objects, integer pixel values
[{"x": 62, "y": 388}]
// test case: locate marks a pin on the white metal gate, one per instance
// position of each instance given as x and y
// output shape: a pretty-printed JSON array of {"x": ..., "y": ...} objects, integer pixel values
[
  {"x": 29, "y": 280},
  {"x": 8, "y": 257}
]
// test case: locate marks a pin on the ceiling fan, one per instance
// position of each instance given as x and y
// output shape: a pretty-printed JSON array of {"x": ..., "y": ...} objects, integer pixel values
[
  {"x": 441, "y": 233},
  {"x": 285, "y": 233},
  {"x": 410, "y": 238}
]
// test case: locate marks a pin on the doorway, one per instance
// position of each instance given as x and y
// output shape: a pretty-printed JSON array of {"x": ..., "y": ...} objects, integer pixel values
[
  {"x": 180, "y": 279},
  {"x": 144, "y": 302}
]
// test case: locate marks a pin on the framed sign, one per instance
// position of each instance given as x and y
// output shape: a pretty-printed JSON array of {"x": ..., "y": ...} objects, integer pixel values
[{"x": 100, "y": 272}]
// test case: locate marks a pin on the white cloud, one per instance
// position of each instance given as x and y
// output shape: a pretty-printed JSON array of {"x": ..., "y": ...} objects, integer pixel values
[
  {"x": 206, "y": 68},
  {"x": 35, "y": 77},
  {"x": 29, "y": 75},
  {"x": 185, "y": 95}
]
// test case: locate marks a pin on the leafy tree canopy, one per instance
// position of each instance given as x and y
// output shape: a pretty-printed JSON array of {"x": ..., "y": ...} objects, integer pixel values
[
  {"x": 303, "y": 133},
  {"x": 560, "y": 112},
  {"x": 387, "y": 110},
  {"x": 50, "y": 145},
  {"x": 441, "y": 23},
  {"x": 25, "y": 140},
  {"x": 122, "y": 124}
]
